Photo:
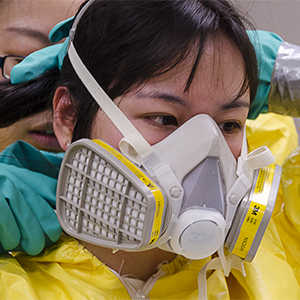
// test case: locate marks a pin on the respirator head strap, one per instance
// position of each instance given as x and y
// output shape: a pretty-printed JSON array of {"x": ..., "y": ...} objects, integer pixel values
[{"x": 134, "y": 143}]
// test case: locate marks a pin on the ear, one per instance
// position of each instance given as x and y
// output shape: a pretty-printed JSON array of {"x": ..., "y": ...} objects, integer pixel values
[{"x": 64, "y": 116}]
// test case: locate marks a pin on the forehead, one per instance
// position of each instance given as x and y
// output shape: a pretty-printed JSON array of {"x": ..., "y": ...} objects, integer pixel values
[
  {"x": 25, "y": 24},
  {"x": 39, "y": 14},
  {"x": 219, "y": 75}
]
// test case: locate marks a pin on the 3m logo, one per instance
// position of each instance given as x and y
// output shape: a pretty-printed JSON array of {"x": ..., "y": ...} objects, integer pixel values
[
  {"x": 201, "y": 238},
  {"x": 255, "y": 210}
]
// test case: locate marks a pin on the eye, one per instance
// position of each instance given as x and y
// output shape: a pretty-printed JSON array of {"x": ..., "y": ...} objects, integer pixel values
[
  {"x": 162, "y": 120},
  {"x": 230, "y": 127}
]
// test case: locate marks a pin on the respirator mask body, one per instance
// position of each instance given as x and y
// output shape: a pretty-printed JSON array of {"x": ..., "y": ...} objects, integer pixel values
[
  {"x": 185, "y": 197},
  {"x": 186, "y": 194}
]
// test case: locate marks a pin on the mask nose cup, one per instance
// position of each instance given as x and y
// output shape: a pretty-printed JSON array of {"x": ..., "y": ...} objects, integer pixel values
[{"x": 198, "y": 233}]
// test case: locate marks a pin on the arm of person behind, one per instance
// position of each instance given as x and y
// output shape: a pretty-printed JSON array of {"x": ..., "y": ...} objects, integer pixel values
[{"x": 279, "y": 79}]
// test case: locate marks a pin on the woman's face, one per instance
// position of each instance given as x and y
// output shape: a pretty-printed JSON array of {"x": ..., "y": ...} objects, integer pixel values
[
  {"x": 24, "y": 28},
  {"x": 161, "y": 105}
]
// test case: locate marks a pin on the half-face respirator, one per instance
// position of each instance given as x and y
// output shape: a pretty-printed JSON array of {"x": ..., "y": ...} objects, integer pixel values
[
  {"x": 185, "y": 197},
  {"x": 186, "y": 194}
]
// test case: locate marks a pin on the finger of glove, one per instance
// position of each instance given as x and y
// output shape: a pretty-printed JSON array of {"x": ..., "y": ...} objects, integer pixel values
[
  {"x": 35, "y": 64},
  {"x": 9, "y": 230},
  {"x": 32, "y": 182},
  {"x": 24, "y": 155},
  {"x": 39, "y": 183},
  {"x": 60, "y": 30},
  {"x": 44, "y": 213},
  {"x": 48, "y": 243},
  {"x": 15, "y": 249},
  {"x": 38, "y": 169},
  {"x": 32, "y": 235}
]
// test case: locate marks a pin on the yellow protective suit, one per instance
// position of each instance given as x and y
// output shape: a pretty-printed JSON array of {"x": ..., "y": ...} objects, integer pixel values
[{"x": 68, "y": 271}]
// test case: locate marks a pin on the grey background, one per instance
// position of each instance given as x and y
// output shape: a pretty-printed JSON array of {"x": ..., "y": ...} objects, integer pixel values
[{"x": 279, "y": 16}]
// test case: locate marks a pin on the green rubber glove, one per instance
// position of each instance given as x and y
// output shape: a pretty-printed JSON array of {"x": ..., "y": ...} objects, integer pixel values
[
  {"x": 38, "y": 62},
  {"x": 45, "y": 59},
  {"x": 266, "y": 46},
  {"x": 28, "y": 179}
]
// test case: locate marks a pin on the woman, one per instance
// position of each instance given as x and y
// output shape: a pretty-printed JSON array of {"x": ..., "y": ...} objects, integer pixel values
[
  {"x": 24, "y": 28},
  {"x": 163, "y": 63}
]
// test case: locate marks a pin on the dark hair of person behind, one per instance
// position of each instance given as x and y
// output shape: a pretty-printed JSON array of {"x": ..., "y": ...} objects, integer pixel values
[
  {"x": 27, "y": 98},
  {"x": 125, "y": 43}
]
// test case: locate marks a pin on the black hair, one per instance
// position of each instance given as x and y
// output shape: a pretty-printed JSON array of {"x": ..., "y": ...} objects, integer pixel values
[
  {"x": 125, "y": 43},
  {"x": 27, "y": 98}
]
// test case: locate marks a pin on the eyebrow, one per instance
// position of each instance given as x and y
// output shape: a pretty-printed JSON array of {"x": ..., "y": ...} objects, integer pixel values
[
  {"x": 163, "y": 96},
  {"x": 236, "y": 103},
  {"x": 30, "y": 33}
]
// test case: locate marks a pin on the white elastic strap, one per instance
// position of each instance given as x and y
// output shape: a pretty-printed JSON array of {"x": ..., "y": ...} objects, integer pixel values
[
  {"x": 126, "y": 128},
  {"x": 77, "y": 19},
  {"x": 233, "y": 262},
  {"x": 260, "y": 157},
  {"x": 230, "y": 261}
]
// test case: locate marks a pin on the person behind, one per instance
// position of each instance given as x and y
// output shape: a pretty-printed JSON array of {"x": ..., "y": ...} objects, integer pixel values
[
  {"x": 162, "y": 63},
  {"x": 24, "y": 28}
]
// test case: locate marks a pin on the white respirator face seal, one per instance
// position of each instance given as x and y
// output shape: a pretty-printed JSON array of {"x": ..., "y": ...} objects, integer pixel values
[{"x": 187, "y": 194}]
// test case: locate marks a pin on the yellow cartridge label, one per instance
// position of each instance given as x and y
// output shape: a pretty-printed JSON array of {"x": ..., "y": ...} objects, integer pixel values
[
  {"x": 255, "y": 211},
  {"x": 158, "y": 196}
]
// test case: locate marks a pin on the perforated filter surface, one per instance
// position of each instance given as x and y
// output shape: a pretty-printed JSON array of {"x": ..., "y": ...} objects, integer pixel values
[{"x": 99, "y": 201}]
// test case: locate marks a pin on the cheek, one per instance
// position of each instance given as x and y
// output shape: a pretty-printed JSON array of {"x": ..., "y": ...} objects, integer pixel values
[
  {"x": 17, "y": 131},
  {"x": 103, "y": 129},
  {"x": 106, "y": 131},
  {"x": 152, "y": 134}
]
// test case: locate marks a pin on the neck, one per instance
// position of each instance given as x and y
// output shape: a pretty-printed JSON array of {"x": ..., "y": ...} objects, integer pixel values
[{"x": 141, "y": 265}]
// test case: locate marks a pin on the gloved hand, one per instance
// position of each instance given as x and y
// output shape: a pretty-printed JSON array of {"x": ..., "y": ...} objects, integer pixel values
[
  {"x": 45, "y": 59},
  {"x": 28, "y": 179},
  {"x": 38, "y": 62},
  {"x": 266, "y": 46}
]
